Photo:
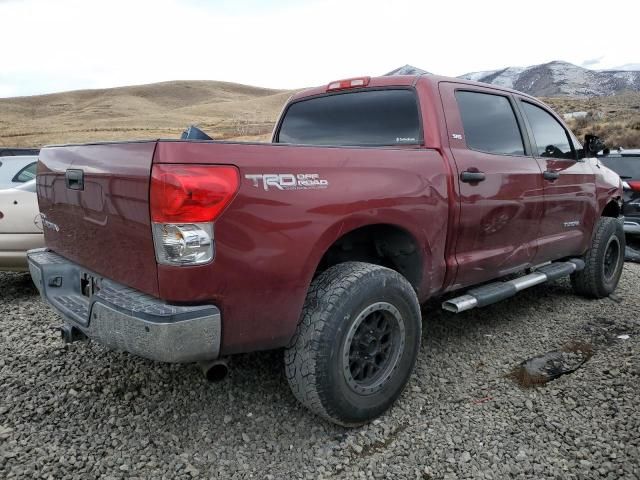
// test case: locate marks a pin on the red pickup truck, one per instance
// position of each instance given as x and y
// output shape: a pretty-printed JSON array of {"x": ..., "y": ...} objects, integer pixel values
[{"x": 375, "y": 195}]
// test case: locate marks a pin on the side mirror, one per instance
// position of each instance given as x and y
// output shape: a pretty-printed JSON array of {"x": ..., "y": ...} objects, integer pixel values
[
  {"x": 592, "y": 146},
  {"x": 194, "y": 133}
]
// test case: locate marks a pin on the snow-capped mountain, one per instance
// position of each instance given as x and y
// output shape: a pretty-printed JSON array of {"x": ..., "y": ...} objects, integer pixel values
[
  {"x": 505, "y": 77},
  {"x": 407, "y": 70},
  {"x": 627, "y": 66},
  {"x": 553, "y": 79},
  {"x": 557, "y": 79}
]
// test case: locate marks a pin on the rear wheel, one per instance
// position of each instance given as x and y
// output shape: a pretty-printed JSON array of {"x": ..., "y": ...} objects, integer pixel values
[
  {"x": 603, "y": 261},
  {"x": 356, "y": 344}
]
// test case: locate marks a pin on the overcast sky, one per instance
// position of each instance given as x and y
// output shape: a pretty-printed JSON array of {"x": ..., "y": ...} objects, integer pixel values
[{"x": 54, "y": 45}]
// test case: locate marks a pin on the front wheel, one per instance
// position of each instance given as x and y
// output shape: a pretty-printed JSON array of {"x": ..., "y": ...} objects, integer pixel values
[
  {"x": 356, "y": 343},
  {"x": 603, "y": 261}
]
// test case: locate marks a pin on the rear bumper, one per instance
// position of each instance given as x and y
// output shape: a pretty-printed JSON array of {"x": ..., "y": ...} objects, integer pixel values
[{"x": 125, "y": 319}]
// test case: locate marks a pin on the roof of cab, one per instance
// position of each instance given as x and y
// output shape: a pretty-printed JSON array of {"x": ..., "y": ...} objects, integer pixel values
[{"x": 402, "y": 81}]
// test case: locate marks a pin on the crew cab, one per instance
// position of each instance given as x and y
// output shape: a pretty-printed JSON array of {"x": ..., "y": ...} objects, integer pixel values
[{"x": 374, "y": 196}]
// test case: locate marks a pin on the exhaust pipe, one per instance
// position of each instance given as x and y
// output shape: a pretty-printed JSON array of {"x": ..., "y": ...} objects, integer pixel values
[
  {"x": 216, "y": 370},
  {"x": 70, "y": 334}
]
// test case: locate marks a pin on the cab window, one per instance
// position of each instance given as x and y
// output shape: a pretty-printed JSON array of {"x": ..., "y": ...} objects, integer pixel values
[
  {"x": 489, "y": 123},
  {"x": 550, "y": 138}
]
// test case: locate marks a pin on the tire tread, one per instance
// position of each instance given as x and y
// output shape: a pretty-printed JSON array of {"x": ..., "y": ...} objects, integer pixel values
[
  {"x": 305, "y": 349},
  {"x": 588, "y": 281}
]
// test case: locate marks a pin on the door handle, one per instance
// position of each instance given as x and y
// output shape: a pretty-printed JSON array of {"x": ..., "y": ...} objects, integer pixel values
[
  {"x": 472, "y": 177},
  {"x": 549, "y": 175}
]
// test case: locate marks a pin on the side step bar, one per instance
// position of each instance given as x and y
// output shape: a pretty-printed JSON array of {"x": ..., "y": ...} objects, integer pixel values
[{"x": 494, "y": 292}]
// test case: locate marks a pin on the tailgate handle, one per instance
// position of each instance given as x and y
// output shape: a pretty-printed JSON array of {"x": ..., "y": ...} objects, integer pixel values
[{"x": 75, "y": 179}]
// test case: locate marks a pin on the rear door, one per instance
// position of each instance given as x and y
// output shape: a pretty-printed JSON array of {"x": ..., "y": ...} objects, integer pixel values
[
  {"x": 569, "y": 186},
  {"x": 500, "y": 190}
]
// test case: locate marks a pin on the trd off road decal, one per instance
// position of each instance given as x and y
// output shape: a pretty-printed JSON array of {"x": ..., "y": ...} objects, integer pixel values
[{"x": 288, "y": 181}]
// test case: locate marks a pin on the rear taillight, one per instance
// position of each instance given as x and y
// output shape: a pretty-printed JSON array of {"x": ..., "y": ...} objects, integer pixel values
[
  {"x": 185, "y": 200},
  {"x": 634, "y": 185},
  {"x": 191, "y": 193},
  {"x": 348, "y": 83}
]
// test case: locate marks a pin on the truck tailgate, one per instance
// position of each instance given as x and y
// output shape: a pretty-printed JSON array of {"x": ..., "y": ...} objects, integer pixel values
[{"x": 95, "y": 205}]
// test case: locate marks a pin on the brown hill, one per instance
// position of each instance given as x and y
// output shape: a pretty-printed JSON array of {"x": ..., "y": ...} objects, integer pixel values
[{"x": 160, "y": 110}]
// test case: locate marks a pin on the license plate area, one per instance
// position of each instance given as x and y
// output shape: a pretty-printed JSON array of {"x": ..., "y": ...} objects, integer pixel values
[{"x": 89, "y": 285}]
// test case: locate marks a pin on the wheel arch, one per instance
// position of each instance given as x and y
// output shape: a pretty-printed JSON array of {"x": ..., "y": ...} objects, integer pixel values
[
  {"x": 382, "y": 243},
  {"x": 613, "y": 208}
]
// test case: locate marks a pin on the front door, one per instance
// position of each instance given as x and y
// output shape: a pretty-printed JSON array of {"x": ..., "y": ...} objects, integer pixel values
[
  {"x": 499, "y": 184},
  {"x": 569, "y": 186}
]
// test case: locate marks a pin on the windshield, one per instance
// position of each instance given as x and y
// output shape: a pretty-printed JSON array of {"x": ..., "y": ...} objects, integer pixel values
[{"x": 364, "y": 118}]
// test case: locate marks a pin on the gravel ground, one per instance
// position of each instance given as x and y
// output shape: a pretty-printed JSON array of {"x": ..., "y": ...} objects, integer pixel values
[{"x": 80, "y": 411}]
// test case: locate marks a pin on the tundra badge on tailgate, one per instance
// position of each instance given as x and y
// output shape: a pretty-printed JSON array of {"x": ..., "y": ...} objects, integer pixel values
[{"x": 288, "y": 181}]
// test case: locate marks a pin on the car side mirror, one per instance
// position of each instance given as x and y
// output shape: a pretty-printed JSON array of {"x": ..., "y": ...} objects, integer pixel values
[
  {"x": 194, "y": 133},
  {"x": 592, "y": 146}
]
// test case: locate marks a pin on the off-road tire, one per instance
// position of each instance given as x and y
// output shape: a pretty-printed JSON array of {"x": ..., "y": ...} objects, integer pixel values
[
  {"x": 317, "y": 356},
  {"x": 597, "y": 280}
]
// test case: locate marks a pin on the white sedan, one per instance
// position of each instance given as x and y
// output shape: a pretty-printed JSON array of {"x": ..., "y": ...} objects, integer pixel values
[
  {"x": 20, "y": 226},
  {"x": 15, "y": 171}
]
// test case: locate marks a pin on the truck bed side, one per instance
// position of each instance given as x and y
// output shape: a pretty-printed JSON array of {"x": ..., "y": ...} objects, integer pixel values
[{"x": 270, "y": 241}]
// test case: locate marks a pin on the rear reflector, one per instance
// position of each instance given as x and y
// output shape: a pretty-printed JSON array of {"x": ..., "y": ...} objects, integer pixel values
[
  {"x": 348, "y": 83},
  {"x": 191, "y": 193},
  {"x": 183, "y": 244}
]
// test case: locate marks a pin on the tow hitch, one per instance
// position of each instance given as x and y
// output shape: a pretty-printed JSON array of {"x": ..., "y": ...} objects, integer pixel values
[{"x": 70, "y": 334}]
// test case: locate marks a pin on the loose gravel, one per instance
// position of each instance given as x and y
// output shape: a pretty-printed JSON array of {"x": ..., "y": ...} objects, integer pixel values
[{"x": 81, "y": 411}]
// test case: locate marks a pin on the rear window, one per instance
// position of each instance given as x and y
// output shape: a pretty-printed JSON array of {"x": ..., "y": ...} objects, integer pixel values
[
  {"x": 27, "y": 173},
  {"x": 365, "y": 118},
  {"x": 624, "y": 166}
]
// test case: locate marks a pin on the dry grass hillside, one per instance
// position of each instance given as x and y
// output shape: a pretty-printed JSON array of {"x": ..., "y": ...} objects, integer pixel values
[
  {"x": 615, "y": 119},
  {"x": 161, "y": 110},
  {"x": 225, "y": 110}
]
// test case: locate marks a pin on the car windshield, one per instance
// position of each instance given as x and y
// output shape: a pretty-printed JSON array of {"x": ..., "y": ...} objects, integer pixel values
[{"x": 626, "y": 167}]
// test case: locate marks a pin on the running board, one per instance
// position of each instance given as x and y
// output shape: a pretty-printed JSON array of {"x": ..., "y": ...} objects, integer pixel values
[{"x": 494, "y": 292}]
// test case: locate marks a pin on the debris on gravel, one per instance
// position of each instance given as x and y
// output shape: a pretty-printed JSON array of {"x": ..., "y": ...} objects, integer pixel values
[
  {"x": 81, "y": 411},
  {"x": 551, "y": 365}
]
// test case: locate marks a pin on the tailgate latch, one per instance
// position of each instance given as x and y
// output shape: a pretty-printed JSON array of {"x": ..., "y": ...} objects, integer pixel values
[{"x": 75, "y": 179}]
